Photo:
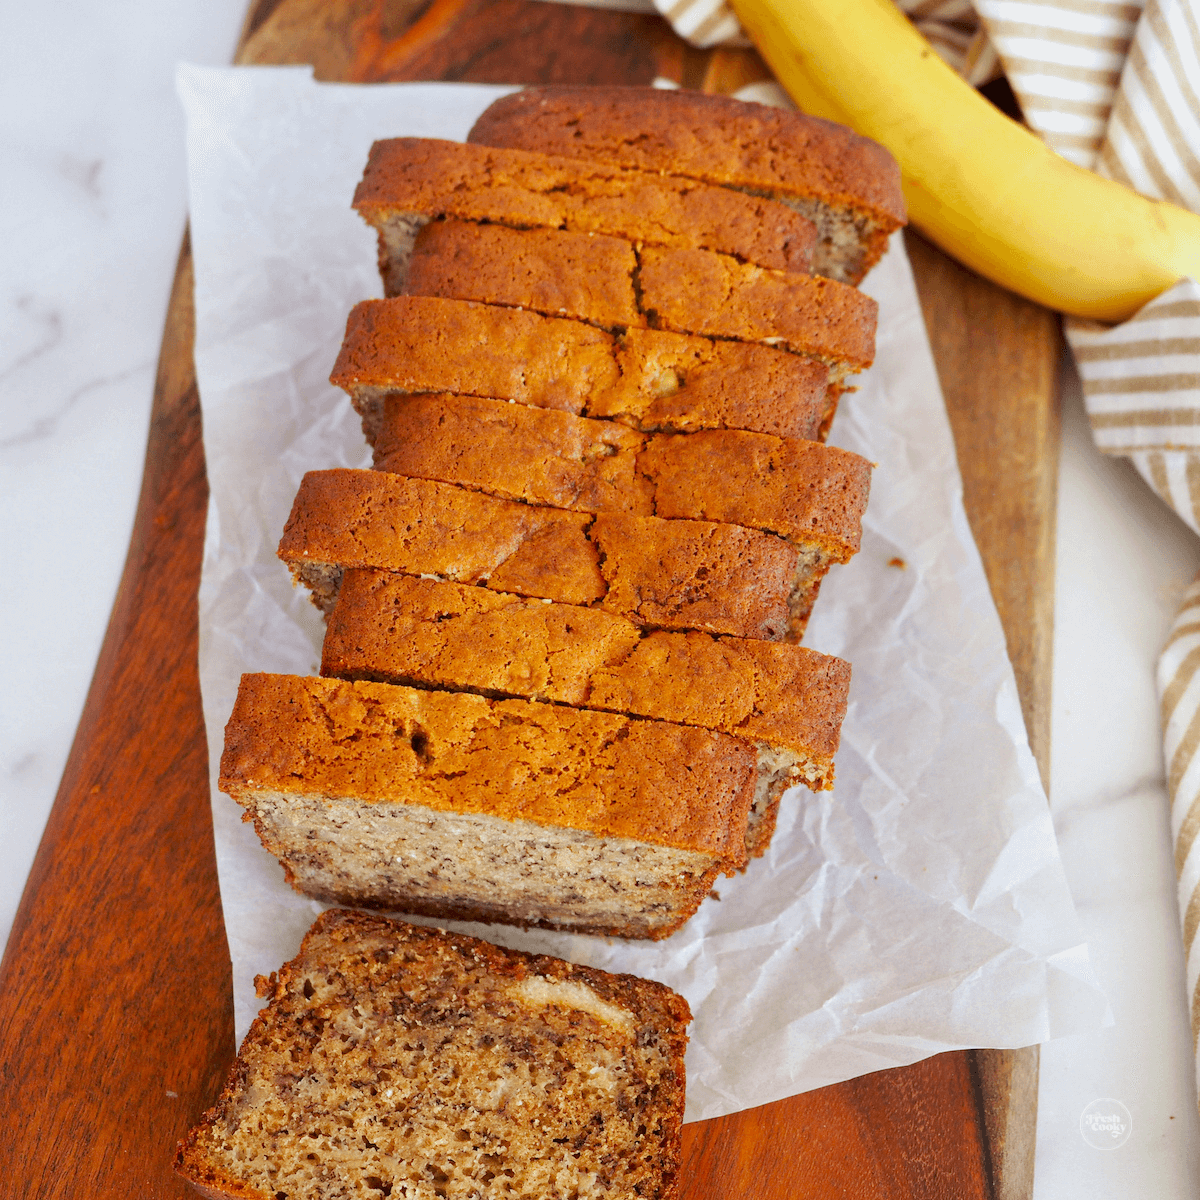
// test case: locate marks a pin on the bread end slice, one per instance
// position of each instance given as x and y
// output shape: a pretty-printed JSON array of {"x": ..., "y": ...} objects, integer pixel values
[{"x": 394, "y": 1060}]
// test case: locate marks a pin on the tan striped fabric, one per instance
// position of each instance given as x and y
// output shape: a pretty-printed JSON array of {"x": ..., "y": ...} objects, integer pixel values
[
  {"x": 1141, "y": 380},
  {"x": 952, "y": 27},
  {"x": 1063, "y": 59},
  {"x": 703, "y": 22}
]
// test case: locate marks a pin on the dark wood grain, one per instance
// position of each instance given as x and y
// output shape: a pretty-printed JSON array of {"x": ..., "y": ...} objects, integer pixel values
[{"x": 115, "y": 996}]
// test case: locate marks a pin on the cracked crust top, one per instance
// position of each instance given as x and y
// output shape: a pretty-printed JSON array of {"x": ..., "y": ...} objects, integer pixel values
[
  {"x": 615, "y": 285},
  {"x": 398, "y": 629},
  {"x": 452, "y": 752},
  {"x": 657, "y": 573},
  {"x": 809, "y": 493},
  {"x": 648, "y": 378}
]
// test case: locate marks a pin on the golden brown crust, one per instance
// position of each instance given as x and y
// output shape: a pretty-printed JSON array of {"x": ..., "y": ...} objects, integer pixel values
[
  {"x": 648, "y": 379},
  {"x": 451, "y": 752},
  {"x": 656, "y": 573},
  {"x": 606, "y": 282},
  {"x": 528, "y": 190},
  {"x": 400, "y": 629},
  {"x": 372, "y": 956},
  {"x": 515, "y": 452},
  {"x": 696, "y": 575},
  {"x": 713, "y": 138},
  {"x": 809, "y": 493},
  {"x": 692, "y": 291},
  {"x": 397, "y": 629},
  {"x": 681, "y": 382}
]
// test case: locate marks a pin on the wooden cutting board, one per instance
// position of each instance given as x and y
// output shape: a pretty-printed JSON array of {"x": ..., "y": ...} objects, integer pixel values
[{"x": 116, "y": 1016}]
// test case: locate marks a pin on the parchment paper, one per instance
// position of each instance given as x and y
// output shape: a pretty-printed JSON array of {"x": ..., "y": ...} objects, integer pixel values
[{"x": 919, "y": 907}]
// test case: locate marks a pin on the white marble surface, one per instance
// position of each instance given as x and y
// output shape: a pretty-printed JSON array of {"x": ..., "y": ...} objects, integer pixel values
[{"x": 91, "y": 212}]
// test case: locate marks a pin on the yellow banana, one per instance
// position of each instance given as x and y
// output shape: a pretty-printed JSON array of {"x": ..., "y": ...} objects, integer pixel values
[{"x": 978, "y": 184}]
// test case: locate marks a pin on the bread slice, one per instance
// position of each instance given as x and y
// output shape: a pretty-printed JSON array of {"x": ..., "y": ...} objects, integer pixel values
[
  {"x": 812, "y": 495},
  {"x": 848, "y": 185},
  {"x": 451, "y": 805},
  {"x": 654, "y": 572},
  {"x": 786, "y": 700},
  {"x": 408, "y": 181},
  {"x": 680, "y": 383},
  {"x": 646, "y": 378},
  {"x": 612, "y": 284},
  {"x": 394, "y": 1060}
]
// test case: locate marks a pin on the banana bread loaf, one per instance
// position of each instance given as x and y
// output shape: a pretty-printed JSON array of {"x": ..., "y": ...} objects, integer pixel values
[
  {"x": 656, "y": 573},
  {"x": 848, "y": 185},
  {"x": 450, "y": 805},
  {"x": 786, "y": 700},
  {"x": 612, "y": 284},
  {"x": 408, "y": 181},
  {"x": 395, "y": 1060},
  {"x": 646, "y": 378}
]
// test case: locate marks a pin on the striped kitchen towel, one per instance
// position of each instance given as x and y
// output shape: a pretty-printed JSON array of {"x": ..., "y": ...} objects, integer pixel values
[
  {"x": 1141, "y": 386},
  {"x": 1063, "y": 59}
]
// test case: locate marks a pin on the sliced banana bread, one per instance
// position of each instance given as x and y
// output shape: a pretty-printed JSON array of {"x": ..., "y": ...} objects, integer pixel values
[
  {"x": 654, "y": 572},
  {"x": 451, "y": 805},
  {"x": 848, "y": 185},
  {"x": 408, "y": 181},
  {"x": 344, "y": 518},
  {"x": 646, "y": 378},
  {"x": 586, "y": 276},
  {"x": 610, "y": 283},
  {"x": 394, "y": 1060},
  {"x": 813, "y": 495}
]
